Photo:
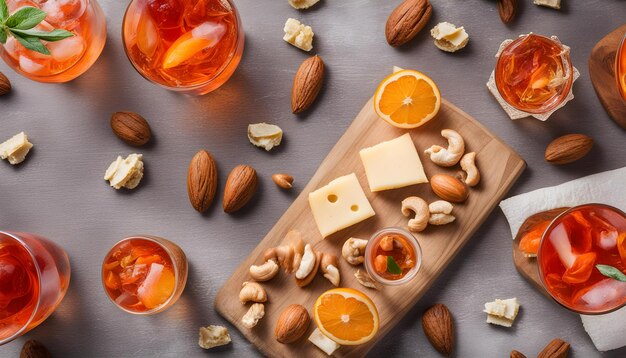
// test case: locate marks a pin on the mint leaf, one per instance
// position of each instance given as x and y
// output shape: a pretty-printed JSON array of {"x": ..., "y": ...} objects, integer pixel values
[
  {"x": 25, "y": 18},
  {"x": 31, "y": 43},
  {"x": 4, "y": 11},
  {"x": 392, "y": 266},
  {"x": 612, "y": 272},
  {"x": 54, "y": 35},
  {"x": 3, "y": 35}
]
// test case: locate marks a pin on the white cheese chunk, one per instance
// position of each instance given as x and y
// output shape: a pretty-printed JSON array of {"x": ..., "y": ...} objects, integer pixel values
[
  {"x": 213, "y": 336},
  {"x": 324, "y": 343},
  {"x": 500, "y": 321},
  {"x": 302, "y": 4},
  {"x": 555, "y": 4},
  {"x": 15, "y": 148},
  {"x": 448, "y": 37},
  {"x": 339, "y": 204},
  {"x": 496, "y": 308},
  {"x": 393, "y": 164},
  {"x": 125, "y": 173},
  {"x": 265, "y": 135},
  {"x": 299, "y": 35},
  {"x": 502, "y": 312}
]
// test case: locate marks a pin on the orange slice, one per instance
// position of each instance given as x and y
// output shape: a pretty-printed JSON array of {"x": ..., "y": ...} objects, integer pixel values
[
  {"x": 581, "y": 269},
  {"x": 346, "y": 316},
  {"x": 407, "y": 99},
  {"x": 192, "y": 42},
  {"x": 529, "y": 243}
]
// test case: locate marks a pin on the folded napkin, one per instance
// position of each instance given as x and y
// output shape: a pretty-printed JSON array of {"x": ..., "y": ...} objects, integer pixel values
[{"x": 606, "y": 331}]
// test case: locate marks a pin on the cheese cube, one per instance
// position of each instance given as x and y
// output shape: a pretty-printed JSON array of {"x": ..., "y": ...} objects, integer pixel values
[
  {"x": 298, "y": 34},
  {"x": 324, "y": 343},
  {"x": 15, "y": 148},
  {"x": 497, "y": 308},
  {"x": 502, "y": 312},
  {"x": 555, "y": 4},
  {"x": 339, "y": 204},
  {"x": 393, "y": 164}
]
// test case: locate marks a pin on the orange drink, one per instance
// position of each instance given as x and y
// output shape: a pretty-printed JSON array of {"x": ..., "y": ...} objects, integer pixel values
[
  {"x": 392, "y": 256},
  {"x": 191, "y": 46}
]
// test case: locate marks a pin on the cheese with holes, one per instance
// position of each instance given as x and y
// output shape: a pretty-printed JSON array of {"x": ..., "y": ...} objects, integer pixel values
[
  {"x": 15, "y": 148},
  {"x": 339, "y": 204},
  {"x": 502, "y": 312},
  {"x": 393, "y": 164}
]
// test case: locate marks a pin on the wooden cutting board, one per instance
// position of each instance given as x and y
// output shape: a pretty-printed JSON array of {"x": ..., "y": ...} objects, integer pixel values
[
  {"x": 500, "y": 167},
  {"x": 602, "y": 73}
]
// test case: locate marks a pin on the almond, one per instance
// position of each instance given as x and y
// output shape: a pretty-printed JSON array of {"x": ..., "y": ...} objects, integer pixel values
[
  {"x": 292, "y": 323},
  {"x": 406, "y": 21},
  {"x": 568, "y": 148},
  {"x": 516, "y": 354},
  {"x": 507, "y": 10},
  {"x": 201, "y": 181},
  {"x": 5, "y": 84},
  {"x": 131, "y": 128},
  {"x": 284, "y": 181},
  {"x": 439, "y": 328},
  {"x": 34, "y": 349},
  {"x": 557, "y": 348},
  {"x": 240, "y": 188},
  {"x": 307, "y": 84},
  {"x": 449, "y": 188}
]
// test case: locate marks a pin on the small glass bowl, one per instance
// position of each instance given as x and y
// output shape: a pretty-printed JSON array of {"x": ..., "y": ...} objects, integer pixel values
[{"x": 373, "y": 243}]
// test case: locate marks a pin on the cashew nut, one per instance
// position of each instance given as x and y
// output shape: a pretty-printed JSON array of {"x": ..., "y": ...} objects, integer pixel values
[
  {"x": 252, "y": 291},
  {"x": 294, "y": 239},
  {"x": 447, "y": 157},
  {"x": 253, "y": 316},
  {"x": 366, "y": 280},
  {"x": 283, "y": 255},
  {"x": 307, "y": 262},
  {"x": 468, "y": 164},
  {"x": 440, "y": 213},
  {"x": 386, "y": 243},
  {"x": 305, "y": 281},
  {"x": 353, "y": 250},
  {"x": 330, "y": 268},
  {"x": 420, "y": 208},
  {"x": 264, "y": 272}
]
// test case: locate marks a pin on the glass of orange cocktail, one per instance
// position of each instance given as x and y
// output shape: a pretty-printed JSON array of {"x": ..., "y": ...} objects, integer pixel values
[
  {"x": 582, "y": 259},
  {"x": 620, "y": 68},
  {"x": 34, "y": 276},
  {"x": 393, "y": 256},
  {"x": 67, "y": 58},
  {"x": 190, "y": 46},
  {"x": 144, "y": 274}
]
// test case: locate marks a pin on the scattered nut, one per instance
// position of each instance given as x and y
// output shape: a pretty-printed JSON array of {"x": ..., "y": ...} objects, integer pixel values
[
  {"x": 307, "y": 263},
  {"x": 557, "y": 348},
  {"x": 516, "y": 354},
  {"x": 264, "y": 272},
  {"x": 294, "y": 240},
  {"x": 468, "y": 164},
  {"x": 253, "y": 316},
  {"x": 406, "y": 21},
  {"x": 353, "y": 250},
  {"x": 448, "y": 37},
  {"x": 201, "y": 180},
  {"x": 449, "y": 188},
  {"x": 302, "y": 4},
  {"x": 284, "y": 181},
  {"x": 5, "y": 86},
  {"x": 568, "y": 148},
  {"x": 447, "y": 157},
  {"x": 131, "y": 128},
  {"x": 283, "y": 255},
  {"x": 298, "y": 34},
  {"x": 330, "y": 267},
  {"x": 252, "y": 291},
  {"x": 386, "y": 243},
  {"x": 366, "y": 280},
  {"x": 266, "y": 136},
  {"x": 292, "y": 324},
  {"x": 439, "y": 328},
  {"x": 240, "y": 188},
  {"x": 34, "y": 349},
  {"x": 125, "y": 173},
  {"x": 419, "y": 206},
  {"x": 507, "y": 10},
  {"x": 302, "y": 282},
  {"x": 307, "y": 84},
  {"x": 15, "y": 148},
  {"x": 440, "y": 213},
  {"x": 213, "y": 336}
]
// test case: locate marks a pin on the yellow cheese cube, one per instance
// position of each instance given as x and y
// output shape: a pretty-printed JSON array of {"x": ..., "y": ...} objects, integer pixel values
[
  {"x": 393, "y": 164},
  {"x": 339, "y": 204}
]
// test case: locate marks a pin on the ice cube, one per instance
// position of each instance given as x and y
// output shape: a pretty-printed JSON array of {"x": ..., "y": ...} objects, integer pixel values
[
  {"x": 157, "y": 287},
  {"x": 199, "y": 11},
  {"x": 147, "y": 35},
  {"x": 166, "y": 13},
  {"x": 64, "y": 13},
  {"x": 603, "y": 293},
  {"x": 67, "y": 49},
  {"x": 33, "y": 67},
  {"x": 209, "y": 31},
  {"x": 126, "y": 299},
  {"x": 607, "y": 239},
  {"x": 560, "y": 240},
  {"x": 13, "y": 48},
  {"x": 15, "y": 280}
]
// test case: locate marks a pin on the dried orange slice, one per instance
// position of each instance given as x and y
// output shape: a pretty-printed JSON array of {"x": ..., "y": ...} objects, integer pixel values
[
  {"x": 346, "y": 316},
  {"x": 407, "y": 99}
]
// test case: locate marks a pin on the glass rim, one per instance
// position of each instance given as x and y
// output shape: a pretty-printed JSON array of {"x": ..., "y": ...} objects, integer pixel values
[
  {"x": 566, "y": 89},
  {"x": 377, "y": 236},
  {"x": 25, "y": 246},
  {"x": 154, "y": 239},
  {"x": 621, "y": 51},
  {"x": 190, "y": 88},
  {"x": 543, "y": 239}
]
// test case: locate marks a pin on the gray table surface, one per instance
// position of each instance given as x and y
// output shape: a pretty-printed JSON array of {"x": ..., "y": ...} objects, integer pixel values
[{"x": 59, "y": 192}]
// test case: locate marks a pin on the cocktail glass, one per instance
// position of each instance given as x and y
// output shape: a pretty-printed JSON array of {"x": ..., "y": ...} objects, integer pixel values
[
  {"x": 34, "y": 276},
  {"x": 144, "y": 274},
  {"x": 406, "y": 250},
  {"x": 70, "y": 57},
  {"x": 572, "y": 246},
  {"x": 190, "y": 46},
  {"x": 620, "y": 68}
]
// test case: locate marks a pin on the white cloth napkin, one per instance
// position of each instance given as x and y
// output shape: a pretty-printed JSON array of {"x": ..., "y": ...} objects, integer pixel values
[{"x": 606, "y": 331}]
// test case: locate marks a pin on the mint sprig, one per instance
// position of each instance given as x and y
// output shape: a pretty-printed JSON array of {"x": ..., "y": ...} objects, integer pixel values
[
  {"x": 392, "y": 266},
  {"x": 612, "y": 272},
  {"x": 21, "y": 25}
]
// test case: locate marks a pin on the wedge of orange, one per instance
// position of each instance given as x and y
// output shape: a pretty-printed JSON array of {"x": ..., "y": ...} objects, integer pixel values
[
  {"x": 407, "y": 99},
  {"x": 346, "y": 316},
  {"x": 192, "y": 42}
]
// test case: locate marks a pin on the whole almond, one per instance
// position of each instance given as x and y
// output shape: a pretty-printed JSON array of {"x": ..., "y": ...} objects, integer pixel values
[
  {"x": 507, "y": 9},
  {"x": 439, "y": 328},
  {"x": 131, "y": 128},
  {"x": 284, "y": 181},
  {"x": 240, "y": 188},
  {"x": 292, "y": 323},
  {"x": 557, "y": 348},
  {"x": 568, "y": 148},
  {"x": 307, "y": 84},
  {"x": 5, "y": 84},
  {"x": 201, "y": 181},
  {"x": 449, "y": 188},
  {"x": 34, "y": 349},
  {"x": 406, "y": 21},
  {"x": 516, "y": 354}
]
